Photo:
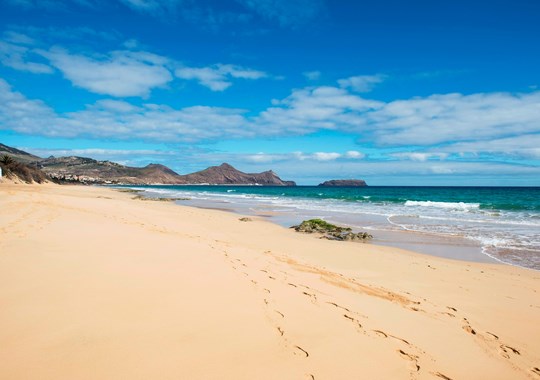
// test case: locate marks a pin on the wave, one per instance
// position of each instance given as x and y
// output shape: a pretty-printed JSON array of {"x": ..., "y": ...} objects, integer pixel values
[{"x": 448, "y": 205}]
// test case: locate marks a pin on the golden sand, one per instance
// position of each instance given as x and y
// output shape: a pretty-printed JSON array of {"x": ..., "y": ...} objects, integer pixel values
[{"x": 96, "y": 285}]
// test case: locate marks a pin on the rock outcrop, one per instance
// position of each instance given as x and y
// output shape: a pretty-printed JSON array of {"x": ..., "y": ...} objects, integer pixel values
[
  {"x": 330, "y": 231},
  {"x": 344, "y": 183}
]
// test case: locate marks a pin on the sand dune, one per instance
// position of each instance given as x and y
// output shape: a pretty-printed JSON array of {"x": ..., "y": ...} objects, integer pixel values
[{"x": 96, "y": 285}]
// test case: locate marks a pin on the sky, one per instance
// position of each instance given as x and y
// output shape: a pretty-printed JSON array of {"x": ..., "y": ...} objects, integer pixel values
[{"x": 394, "y": 92}]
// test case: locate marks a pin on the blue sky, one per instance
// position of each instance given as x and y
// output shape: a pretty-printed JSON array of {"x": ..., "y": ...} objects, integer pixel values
[{"x": 397, "y": 93}]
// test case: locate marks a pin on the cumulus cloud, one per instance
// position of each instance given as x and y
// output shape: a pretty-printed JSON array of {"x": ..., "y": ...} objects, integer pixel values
[
  {"x": 18, "y": 56},
  {"x": 315, "y": 108},
  {"x": 444, "y": 125},
  {"x": 120, "y": 73},
  {"x": 120, "y": 120},
  {"x": 425, "y": 121},
  {"x": 362, "y": 83},
  {"x": 325, "y": 156},
  {"x": 455, "y": 117},
  {"x": 217, "y": 77}
]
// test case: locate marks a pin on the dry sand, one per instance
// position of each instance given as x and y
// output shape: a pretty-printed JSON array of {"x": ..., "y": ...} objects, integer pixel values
[{"x": 96, "y": 285}]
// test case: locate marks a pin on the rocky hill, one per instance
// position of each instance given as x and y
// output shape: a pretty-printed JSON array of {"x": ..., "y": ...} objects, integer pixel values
[
  {"x": 344, "y": 183},
  {"x": 17, "y": 154},
  {"x": 74, "y": 169},
  {"x": 88, "y": 170},
  {"x": 227, "y": 175}
]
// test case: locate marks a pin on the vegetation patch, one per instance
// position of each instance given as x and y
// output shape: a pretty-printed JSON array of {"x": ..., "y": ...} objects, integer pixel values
[{"x": 16, "y": 170}]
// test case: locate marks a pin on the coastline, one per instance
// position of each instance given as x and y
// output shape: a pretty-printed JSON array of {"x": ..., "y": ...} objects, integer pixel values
[
  {"x": 139, "y": 289},
  {"x": 450, "y": 247}
]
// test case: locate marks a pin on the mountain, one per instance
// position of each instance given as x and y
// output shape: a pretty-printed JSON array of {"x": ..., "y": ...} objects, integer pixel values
[
  {"x": 225, "y": 174},
  {"x": 87, "y": 170},
  {"x": 344, "y": 183},
  {"x": 82, "y": 169}
]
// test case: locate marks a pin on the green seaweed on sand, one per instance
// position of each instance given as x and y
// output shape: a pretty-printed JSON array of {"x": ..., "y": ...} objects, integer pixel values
[{"x": 330, "y": 231}]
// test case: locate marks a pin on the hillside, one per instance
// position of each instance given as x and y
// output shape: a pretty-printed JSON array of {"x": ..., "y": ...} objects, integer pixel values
[
  {"x": 226, "y": 174},
  {"x": 88, "y": 170},
  {"x": 20, "y": 172},
  {"x": 17, "y": 154},
  {"x": 73, "y": 169}
]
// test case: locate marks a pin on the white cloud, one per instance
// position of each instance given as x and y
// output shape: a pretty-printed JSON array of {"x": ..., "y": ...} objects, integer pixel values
[
  {"x": 262, "y": 157},
  {"x": 527, "y": 145},
  {"x": 121, "y": 120},
  {"x": 499, "y": 124},
  {"x": 312, "y": 75},
  {"x": 441, "y": 170},
  {"x": 217, "y": 77},
  {"x": 325, "y": 156},
  {"x": 18, "y": 38},
  {"x": 419, "y": 156},
  {"x": 455, "y": 117},
  {"x": 96, "y": 153},
  {"x": 362, "y": 83},
  {"x": 436, "y": 119},
  {"x": 354, "y": 154},
  {"x": 21, "y": 57},
  {"x": 120, "y": 73}
]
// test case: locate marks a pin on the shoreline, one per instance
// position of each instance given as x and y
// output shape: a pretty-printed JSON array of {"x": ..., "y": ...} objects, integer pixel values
[
  {"x": 480, "y": 223},
  {"x": 416, "y": 241},
  {"x": 95, "y": 284}
]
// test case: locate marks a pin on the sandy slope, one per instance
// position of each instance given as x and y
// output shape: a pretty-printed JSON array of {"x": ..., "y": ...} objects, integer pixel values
[{"x": 95, "y": 285}]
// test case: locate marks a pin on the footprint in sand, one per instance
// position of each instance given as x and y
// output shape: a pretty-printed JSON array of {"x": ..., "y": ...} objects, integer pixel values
[
  {"x": 302, "y": 351},
  {"x": 410, "y": 357},
  {"x": 438, "y": 374},
  {"x": 338, "y": 306},
  {"x": 506, "y": 350}
]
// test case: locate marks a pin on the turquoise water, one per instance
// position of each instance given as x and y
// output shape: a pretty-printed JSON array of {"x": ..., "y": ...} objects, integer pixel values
[{"x": 504, "y": 221}]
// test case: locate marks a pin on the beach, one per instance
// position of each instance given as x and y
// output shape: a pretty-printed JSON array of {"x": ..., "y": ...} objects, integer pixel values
[{"x": 97, "y": 285}]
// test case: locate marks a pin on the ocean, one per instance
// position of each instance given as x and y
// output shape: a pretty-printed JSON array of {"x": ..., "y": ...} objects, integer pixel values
[{"x": 502, "y": 222}]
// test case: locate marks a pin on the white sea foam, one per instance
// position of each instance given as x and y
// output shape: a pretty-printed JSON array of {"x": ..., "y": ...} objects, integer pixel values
[{"x": 450, "y": 205}]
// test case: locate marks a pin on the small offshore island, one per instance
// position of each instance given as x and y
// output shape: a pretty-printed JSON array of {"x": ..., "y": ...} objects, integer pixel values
[{"x": 343, "y": 183}]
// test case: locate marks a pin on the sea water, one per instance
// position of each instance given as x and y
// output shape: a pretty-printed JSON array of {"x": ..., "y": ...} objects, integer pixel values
[{"x": 503, "y": 221}]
